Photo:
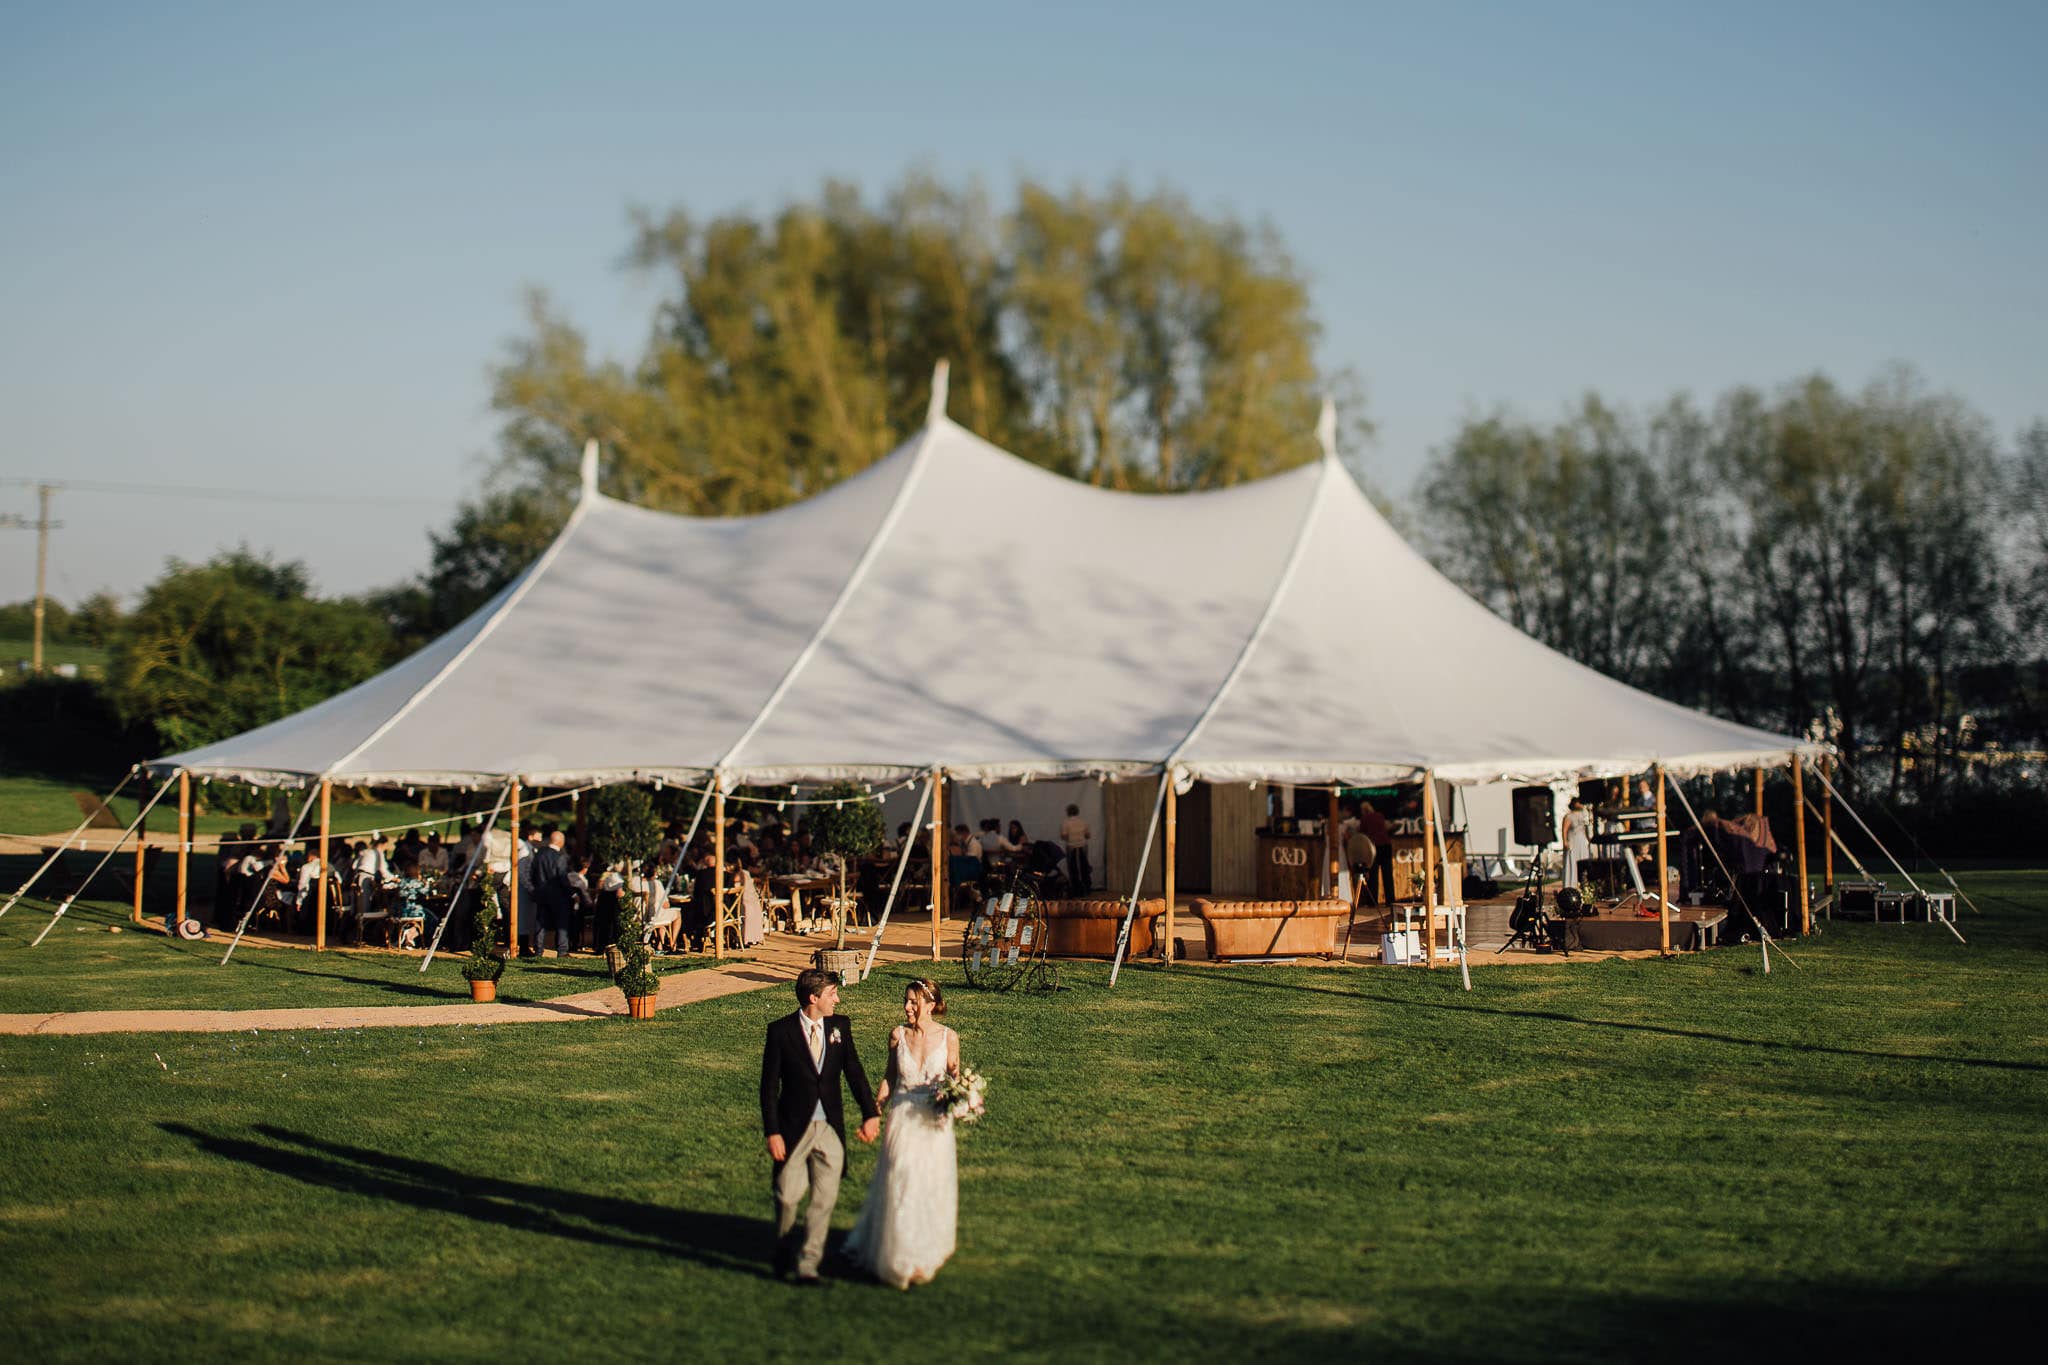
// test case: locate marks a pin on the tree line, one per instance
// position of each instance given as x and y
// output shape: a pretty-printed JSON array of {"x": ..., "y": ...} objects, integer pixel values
[{"x": 1867, "y": 566}]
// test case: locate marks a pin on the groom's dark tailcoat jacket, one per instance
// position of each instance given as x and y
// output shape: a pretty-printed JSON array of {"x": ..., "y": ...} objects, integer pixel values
[{"x": 791, "y": 1088}]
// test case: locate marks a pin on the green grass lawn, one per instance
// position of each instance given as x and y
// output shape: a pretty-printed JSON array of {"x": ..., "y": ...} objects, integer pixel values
[{"x": 1622, "y": 1160}]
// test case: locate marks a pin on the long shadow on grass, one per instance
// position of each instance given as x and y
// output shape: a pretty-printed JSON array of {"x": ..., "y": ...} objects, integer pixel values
[
  {"x": 395, "y": 987},
  {"x": 721, "y": 1241},
  {"x": 1666, "y": 1030}
]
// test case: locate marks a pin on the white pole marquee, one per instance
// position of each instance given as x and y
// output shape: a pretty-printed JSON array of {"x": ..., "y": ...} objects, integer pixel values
[{"x": 956, "y": 609}]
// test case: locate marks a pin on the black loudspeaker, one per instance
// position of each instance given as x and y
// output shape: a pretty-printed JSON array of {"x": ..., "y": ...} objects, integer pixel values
[{"x": 1535, "y": 817}]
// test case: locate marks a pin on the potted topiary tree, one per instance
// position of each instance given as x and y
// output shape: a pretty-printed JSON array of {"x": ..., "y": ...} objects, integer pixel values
[
  {"x": 485, "y": 963},
  {"x": 624, "y": 830},
  {"x": 845, "y": 830}
]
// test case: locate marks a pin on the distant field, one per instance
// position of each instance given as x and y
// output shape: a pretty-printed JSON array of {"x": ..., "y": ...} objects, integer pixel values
[{"x": 91, "y": 660}]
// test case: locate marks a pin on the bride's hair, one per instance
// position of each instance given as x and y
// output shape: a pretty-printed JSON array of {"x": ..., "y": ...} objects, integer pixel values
[{"x": 929, "y": 989}]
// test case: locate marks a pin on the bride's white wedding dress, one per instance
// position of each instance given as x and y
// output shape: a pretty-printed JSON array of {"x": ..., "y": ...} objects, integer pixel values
[{"x": 906, "y": 1227}]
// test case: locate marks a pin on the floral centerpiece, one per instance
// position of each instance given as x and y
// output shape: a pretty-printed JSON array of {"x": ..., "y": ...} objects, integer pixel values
[{"x": 961, "y": 1095}]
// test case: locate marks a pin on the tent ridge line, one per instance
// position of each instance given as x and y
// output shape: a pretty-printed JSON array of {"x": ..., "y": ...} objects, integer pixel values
[
  {"x": 854, "y": 578},
  {"x": 512, "y": 599},
  {"x": 1258, "y": 631}
]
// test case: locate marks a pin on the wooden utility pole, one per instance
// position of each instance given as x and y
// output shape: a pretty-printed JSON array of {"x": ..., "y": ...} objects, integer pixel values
[
  {"x": 1799, "y": 843},
  {"x": 1663, "y": 870},
  {"x": 320, "y": 896},
  {"x": 184, "y": 848},
  {"x": 1429, "y": 869},
  {"x": 42, "y": 526},
  {"x": 1166, "y": 868}
]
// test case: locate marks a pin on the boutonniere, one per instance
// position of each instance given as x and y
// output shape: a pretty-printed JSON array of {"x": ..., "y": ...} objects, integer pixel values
[{"x": 833, "y": 1036}]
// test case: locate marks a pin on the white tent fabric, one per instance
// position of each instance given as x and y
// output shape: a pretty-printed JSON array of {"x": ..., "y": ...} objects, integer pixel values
[{"x": 955, "y": 607}]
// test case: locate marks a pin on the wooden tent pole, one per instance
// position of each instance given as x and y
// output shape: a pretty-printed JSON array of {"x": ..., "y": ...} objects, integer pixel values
[
  {"x": 1827, "y": 827},
  {"x": 512, "y": 880},
  {"x": 718, "y": 870},
  {"x": 1333, "y": 844},
  {"x": 942, "y": 871},
  {"x": 1759, "y": 791},
  {"x": 1429, "y": 869},
  {"x": 320, "y": 897},
  {"x": 1663, "y": 871},
  {"x": 1166, "y": 867},
  {"x": 1799, "y": 843},
  {"x": 184, "y": 848},
  {"x": 141, "y": 864}
]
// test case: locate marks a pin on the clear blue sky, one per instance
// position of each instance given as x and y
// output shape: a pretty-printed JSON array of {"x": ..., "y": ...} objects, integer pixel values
[{"x": 279, "y": 249}]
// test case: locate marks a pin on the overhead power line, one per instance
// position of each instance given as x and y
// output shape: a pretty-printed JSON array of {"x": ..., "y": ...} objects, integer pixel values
[{"x": 186, "y": 490}]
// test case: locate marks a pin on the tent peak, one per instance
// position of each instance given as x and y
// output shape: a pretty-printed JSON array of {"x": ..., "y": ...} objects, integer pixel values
[
  {"x": 1326, "y": 430},
  {"x": 936, "y": 412},
  {"x": 588, "y": 473}
]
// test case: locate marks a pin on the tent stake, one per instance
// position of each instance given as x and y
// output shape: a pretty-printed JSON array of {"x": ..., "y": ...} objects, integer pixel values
[
  {"x": 59, "y": 851},
  {"x": 902, "y": 862}
]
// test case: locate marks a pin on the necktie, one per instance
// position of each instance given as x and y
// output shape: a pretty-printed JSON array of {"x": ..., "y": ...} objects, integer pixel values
[{"x": 815, "y": 1032}]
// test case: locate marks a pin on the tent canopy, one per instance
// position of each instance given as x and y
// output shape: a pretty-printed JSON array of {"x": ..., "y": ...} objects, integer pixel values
[{"x": 956, "y": 607}]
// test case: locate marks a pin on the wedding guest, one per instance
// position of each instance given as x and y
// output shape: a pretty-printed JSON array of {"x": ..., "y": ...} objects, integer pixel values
[
  {"x": 434, "y": 854},
  {"x": 1074, "y": 838},
  {"x": 1380, "y": 881}
]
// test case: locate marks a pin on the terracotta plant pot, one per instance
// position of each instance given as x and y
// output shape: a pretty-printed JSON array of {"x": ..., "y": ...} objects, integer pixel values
[
  {"x": 483, "y": 992},
  {"x": 641, "y": 1006}
]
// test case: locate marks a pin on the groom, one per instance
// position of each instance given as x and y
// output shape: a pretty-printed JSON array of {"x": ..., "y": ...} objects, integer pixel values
[{"x": 801, "y": 1065}]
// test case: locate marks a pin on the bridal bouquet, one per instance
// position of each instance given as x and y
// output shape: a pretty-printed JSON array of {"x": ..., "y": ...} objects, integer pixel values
[{"x": 962, "y": 1096}]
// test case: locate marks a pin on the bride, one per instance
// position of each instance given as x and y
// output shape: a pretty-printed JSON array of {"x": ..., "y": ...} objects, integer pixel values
[{"x": 905, "y": 1232}]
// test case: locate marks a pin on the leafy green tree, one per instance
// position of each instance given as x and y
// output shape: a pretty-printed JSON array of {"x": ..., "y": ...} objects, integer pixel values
[
  {"x": 1120, "y": 337},
  {"x": 622, "y": 826},
  {"x": 222, "y": 647}
]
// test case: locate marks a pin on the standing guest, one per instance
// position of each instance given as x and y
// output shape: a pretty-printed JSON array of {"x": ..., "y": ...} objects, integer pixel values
[
  {"x": 1578, "y": 839},
  {"x": 554, "y": 897},
  {"x": 1074, "y": 838},
  {"x": 527, "y": 931}
]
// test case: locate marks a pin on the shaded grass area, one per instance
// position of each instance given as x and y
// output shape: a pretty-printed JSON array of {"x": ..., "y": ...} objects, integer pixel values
[
  {"x": 82, "y": 966},
  {"x": 1686, "y": 1159}
]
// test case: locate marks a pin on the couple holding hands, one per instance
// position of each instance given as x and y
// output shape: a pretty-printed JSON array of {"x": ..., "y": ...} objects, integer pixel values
[{"x": 906, "y": 1227}]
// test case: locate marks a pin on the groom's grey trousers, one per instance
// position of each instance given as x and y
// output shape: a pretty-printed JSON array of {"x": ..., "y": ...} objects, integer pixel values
[{"x": 814, "y": 1165}]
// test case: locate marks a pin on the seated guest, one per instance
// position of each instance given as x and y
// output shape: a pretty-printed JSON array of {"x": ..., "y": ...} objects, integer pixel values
[
  {"x": 433, "y": 855},
  {"x": 663, "y": 919}
]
